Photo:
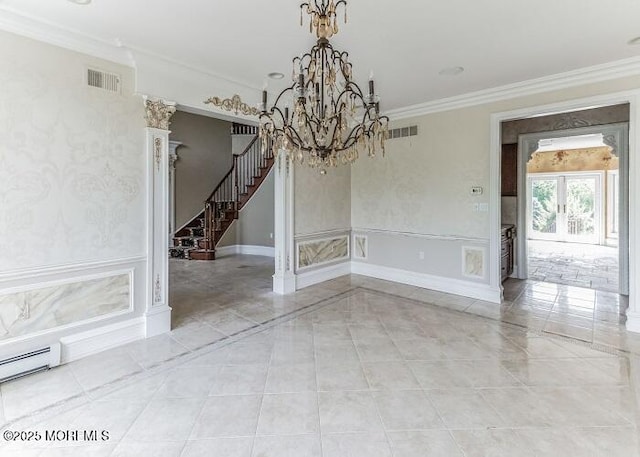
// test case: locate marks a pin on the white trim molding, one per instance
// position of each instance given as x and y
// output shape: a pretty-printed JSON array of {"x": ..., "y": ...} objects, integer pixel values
[
  {"x": 320, "y": 275},
  {"x": 587, "y": 75},
  {"x": 633, "y": 322},
  {"x": 631, "y": 97},
  {"x": 66, "y": 269},
  {"x": 284, "y": 278},
  {"x": 470, "y": 289},
  {"x": 266, "y": 251},
  {"x": 157, "y": 321},
  {"x": 29, "y": 27},
  {"x": 427, "y": 236},
  {"x": 91, "y": 342}
]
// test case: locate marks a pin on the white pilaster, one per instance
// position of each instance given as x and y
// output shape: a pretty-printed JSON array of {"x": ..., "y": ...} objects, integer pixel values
[
  {"x": 158, "y": 313},
  {"x": 284, "y": 279},
  {"x": 633, "y": 313},
  {"x": 173, "y": 157}
]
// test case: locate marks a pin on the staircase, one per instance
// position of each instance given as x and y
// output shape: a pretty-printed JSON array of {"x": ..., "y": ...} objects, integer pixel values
[{"x": 197, "y": 240}]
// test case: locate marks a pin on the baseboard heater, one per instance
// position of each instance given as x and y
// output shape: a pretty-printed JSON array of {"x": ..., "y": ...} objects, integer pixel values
[{"x": 30, "y": 362}]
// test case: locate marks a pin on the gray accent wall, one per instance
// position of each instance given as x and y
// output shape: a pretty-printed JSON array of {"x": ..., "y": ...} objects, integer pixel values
[
  {"x": 240, "y": 142},
  {"x": 203, "y": 160},
  {"x": 256, "y": 222},
  {"x": 255, "y": 225}
]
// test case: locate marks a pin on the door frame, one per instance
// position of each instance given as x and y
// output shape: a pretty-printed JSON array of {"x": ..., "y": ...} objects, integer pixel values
[
  {"x": 561, "y": 222},
  {"x": 632, "y": 97},
  {"x": 616, "y": 136}
]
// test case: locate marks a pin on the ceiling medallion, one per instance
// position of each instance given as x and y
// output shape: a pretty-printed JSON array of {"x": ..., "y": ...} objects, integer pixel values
[
  {"x": 234, "y": 104},
  {"x": 331, "y": 120}
]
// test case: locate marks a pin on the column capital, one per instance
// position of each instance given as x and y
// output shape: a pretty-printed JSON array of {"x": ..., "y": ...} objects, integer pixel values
[
  {"x": 158, "y": 113},
  {"x": 173, "y": 154}
]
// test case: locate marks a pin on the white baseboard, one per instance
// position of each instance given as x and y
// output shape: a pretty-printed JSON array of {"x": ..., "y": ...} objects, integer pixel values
[
  {"x": 284, "y": 284},
  {"x": 439, "y": 283},
  {"x": 87, "y": 343},
  {"x": 267, "y": 251},
  {"x": 309, "y": 278},
  {"x": 633, "y": 322},
  {"x": 157, "y": 321},
  {"x": 226, "y": 251}
]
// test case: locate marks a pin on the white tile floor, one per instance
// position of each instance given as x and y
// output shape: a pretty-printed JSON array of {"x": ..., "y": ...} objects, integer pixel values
[{"x": 344, "y": 371}]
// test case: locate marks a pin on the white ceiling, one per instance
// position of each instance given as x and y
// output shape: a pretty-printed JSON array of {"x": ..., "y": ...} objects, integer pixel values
[{"x": 405, "y": 42}]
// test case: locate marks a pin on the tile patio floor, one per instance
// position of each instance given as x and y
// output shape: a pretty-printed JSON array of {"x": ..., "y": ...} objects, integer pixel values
[
  {"x": 353, "y": 367},
  {"x": 574, "y": 264}
]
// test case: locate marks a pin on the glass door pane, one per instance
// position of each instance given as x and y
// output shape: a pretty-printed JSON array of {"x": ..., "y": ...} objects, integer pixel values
[
  {"x": 581, "y": 208},
  {"x": 544, "y": 208}
]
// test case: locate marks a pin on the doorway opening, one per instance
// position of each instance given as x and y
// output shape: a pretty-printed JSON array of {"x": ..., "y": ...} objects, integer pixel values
[
  {"x": 221, "y": 240},
  {"x": 573, "y": 209},
  {"x": 572, "y": 213}
]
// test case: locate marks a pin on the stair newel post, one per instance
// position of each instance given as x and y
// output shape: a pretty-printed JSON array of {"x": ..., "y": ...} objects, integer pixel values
[{"x": 207, "y": 216}]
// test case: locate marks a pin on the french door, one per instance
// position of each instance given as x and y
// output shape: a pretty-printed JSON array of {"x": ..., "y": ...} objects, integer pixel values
[{"x": 565, "y": 207}]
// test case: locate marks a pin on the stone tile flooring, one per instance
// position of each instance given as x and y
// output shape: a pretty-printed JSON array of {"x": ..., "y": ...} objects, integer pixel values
[
  {"x": 574, "y": 264},
  {"x": 352, "y": 367}
]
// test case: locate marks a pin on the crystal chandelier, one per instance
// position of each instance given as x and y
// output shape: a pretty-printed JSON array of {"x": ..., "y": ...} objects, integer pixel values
[{"x": 331, "y": 120}]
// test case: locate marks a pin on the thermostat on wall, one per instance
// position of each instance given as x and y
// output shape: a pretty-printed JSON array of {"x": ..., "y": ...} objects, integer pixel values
[{"x": 476, "y": 191}]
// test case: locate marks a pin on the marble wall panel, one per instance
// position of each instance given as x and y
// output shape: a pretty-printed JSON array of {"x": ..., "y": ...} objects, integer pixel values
[
  {"x": 322, "y": 251},
  {"x": 44, "y": 308},
  {"x": 473, "y": 262}
]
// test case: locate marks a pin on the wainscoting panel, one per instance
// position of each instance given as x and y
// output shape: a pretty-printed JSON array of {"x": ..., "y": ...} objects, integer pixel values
[
  {"x": 44, "y": 306},
  {"x": 47, "y": 307},
  {"x": 322, "y": 251}
]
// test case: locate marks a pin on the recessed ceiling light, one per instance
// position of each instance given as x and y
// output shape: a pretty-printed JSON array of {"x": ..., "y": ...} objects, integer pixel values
[
  {"x": 451, "y": 71},
  {"x": 634, "y": 41},
  {"x": 275, "y": 75},
  {"x": 80, "y": 2}
]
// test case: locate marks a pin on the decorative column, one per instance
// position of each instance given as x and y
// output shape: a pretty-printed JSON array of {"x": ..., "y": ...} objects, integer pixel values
[
  {"x": 284, "y": 279},
  {"x": 158, "y": 314},
  {"x": 633, "y": 312},
  {"x": 173, "y": 156}
]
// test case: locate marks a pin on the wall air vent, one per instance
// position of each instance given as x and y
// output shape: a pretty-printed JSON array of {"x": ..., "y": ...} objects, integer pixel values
[
  {"x": 103, "y": 80},
  {"x": 402, "y": 132}
]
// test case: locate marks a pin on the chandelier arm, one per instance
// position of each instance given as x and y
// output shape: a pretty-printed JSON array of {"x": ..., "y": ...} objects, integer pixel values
[{"x": 290, "y": 88}]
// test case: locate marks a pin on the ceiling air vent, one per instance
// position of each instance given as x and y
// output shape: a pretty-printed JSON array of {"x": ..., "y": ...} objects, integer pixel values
[
  {"x": 403, "y": 131},
  {"x": 103, "y": 80}
]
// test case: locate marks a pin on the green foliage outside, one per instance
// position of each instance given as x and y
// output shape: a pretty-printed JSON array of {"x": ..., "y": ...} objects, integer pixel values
[
  {"x": 543, "y": 206},
  {"x": 580, "y": 206}
]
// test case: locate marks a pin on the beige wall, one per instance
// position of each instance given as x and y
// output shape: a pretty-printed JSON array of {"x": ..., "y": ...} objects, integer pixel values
[
  {"x": 423, "y": 184},
  {"x": 255, "y": 225},
  {"x": 73, "y": 195},
  {"x": 322, "y": 202},
  {"x": 72, "y": 159},
  {"x": 204, "y": 159}
]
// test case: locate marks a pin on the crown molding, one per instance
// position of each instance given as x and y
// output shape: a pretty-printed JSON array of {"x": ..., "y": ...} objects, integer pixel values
[
  {"x": 587, "y": 75},
  {"x": 37, "y": 29}
]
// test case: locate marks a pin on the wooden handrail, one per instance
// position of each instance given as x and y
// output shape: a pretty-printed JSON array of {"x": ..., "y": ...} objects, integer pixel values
[
  {"x": 237, "y": 184},
  {"x": 233, "y": 167},
  {"x": 219, "y": 186}
]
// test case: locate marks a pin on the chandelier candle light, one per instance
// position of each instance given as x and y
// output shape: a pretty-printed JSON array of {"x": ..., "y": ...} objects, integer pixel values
[{"x": 332, "y": 120}]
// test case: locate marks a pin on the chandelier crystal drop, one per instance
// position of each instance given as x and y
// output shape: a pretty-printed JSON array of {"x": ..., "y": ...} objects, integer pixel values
[{"x": 323, "y": 119}]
